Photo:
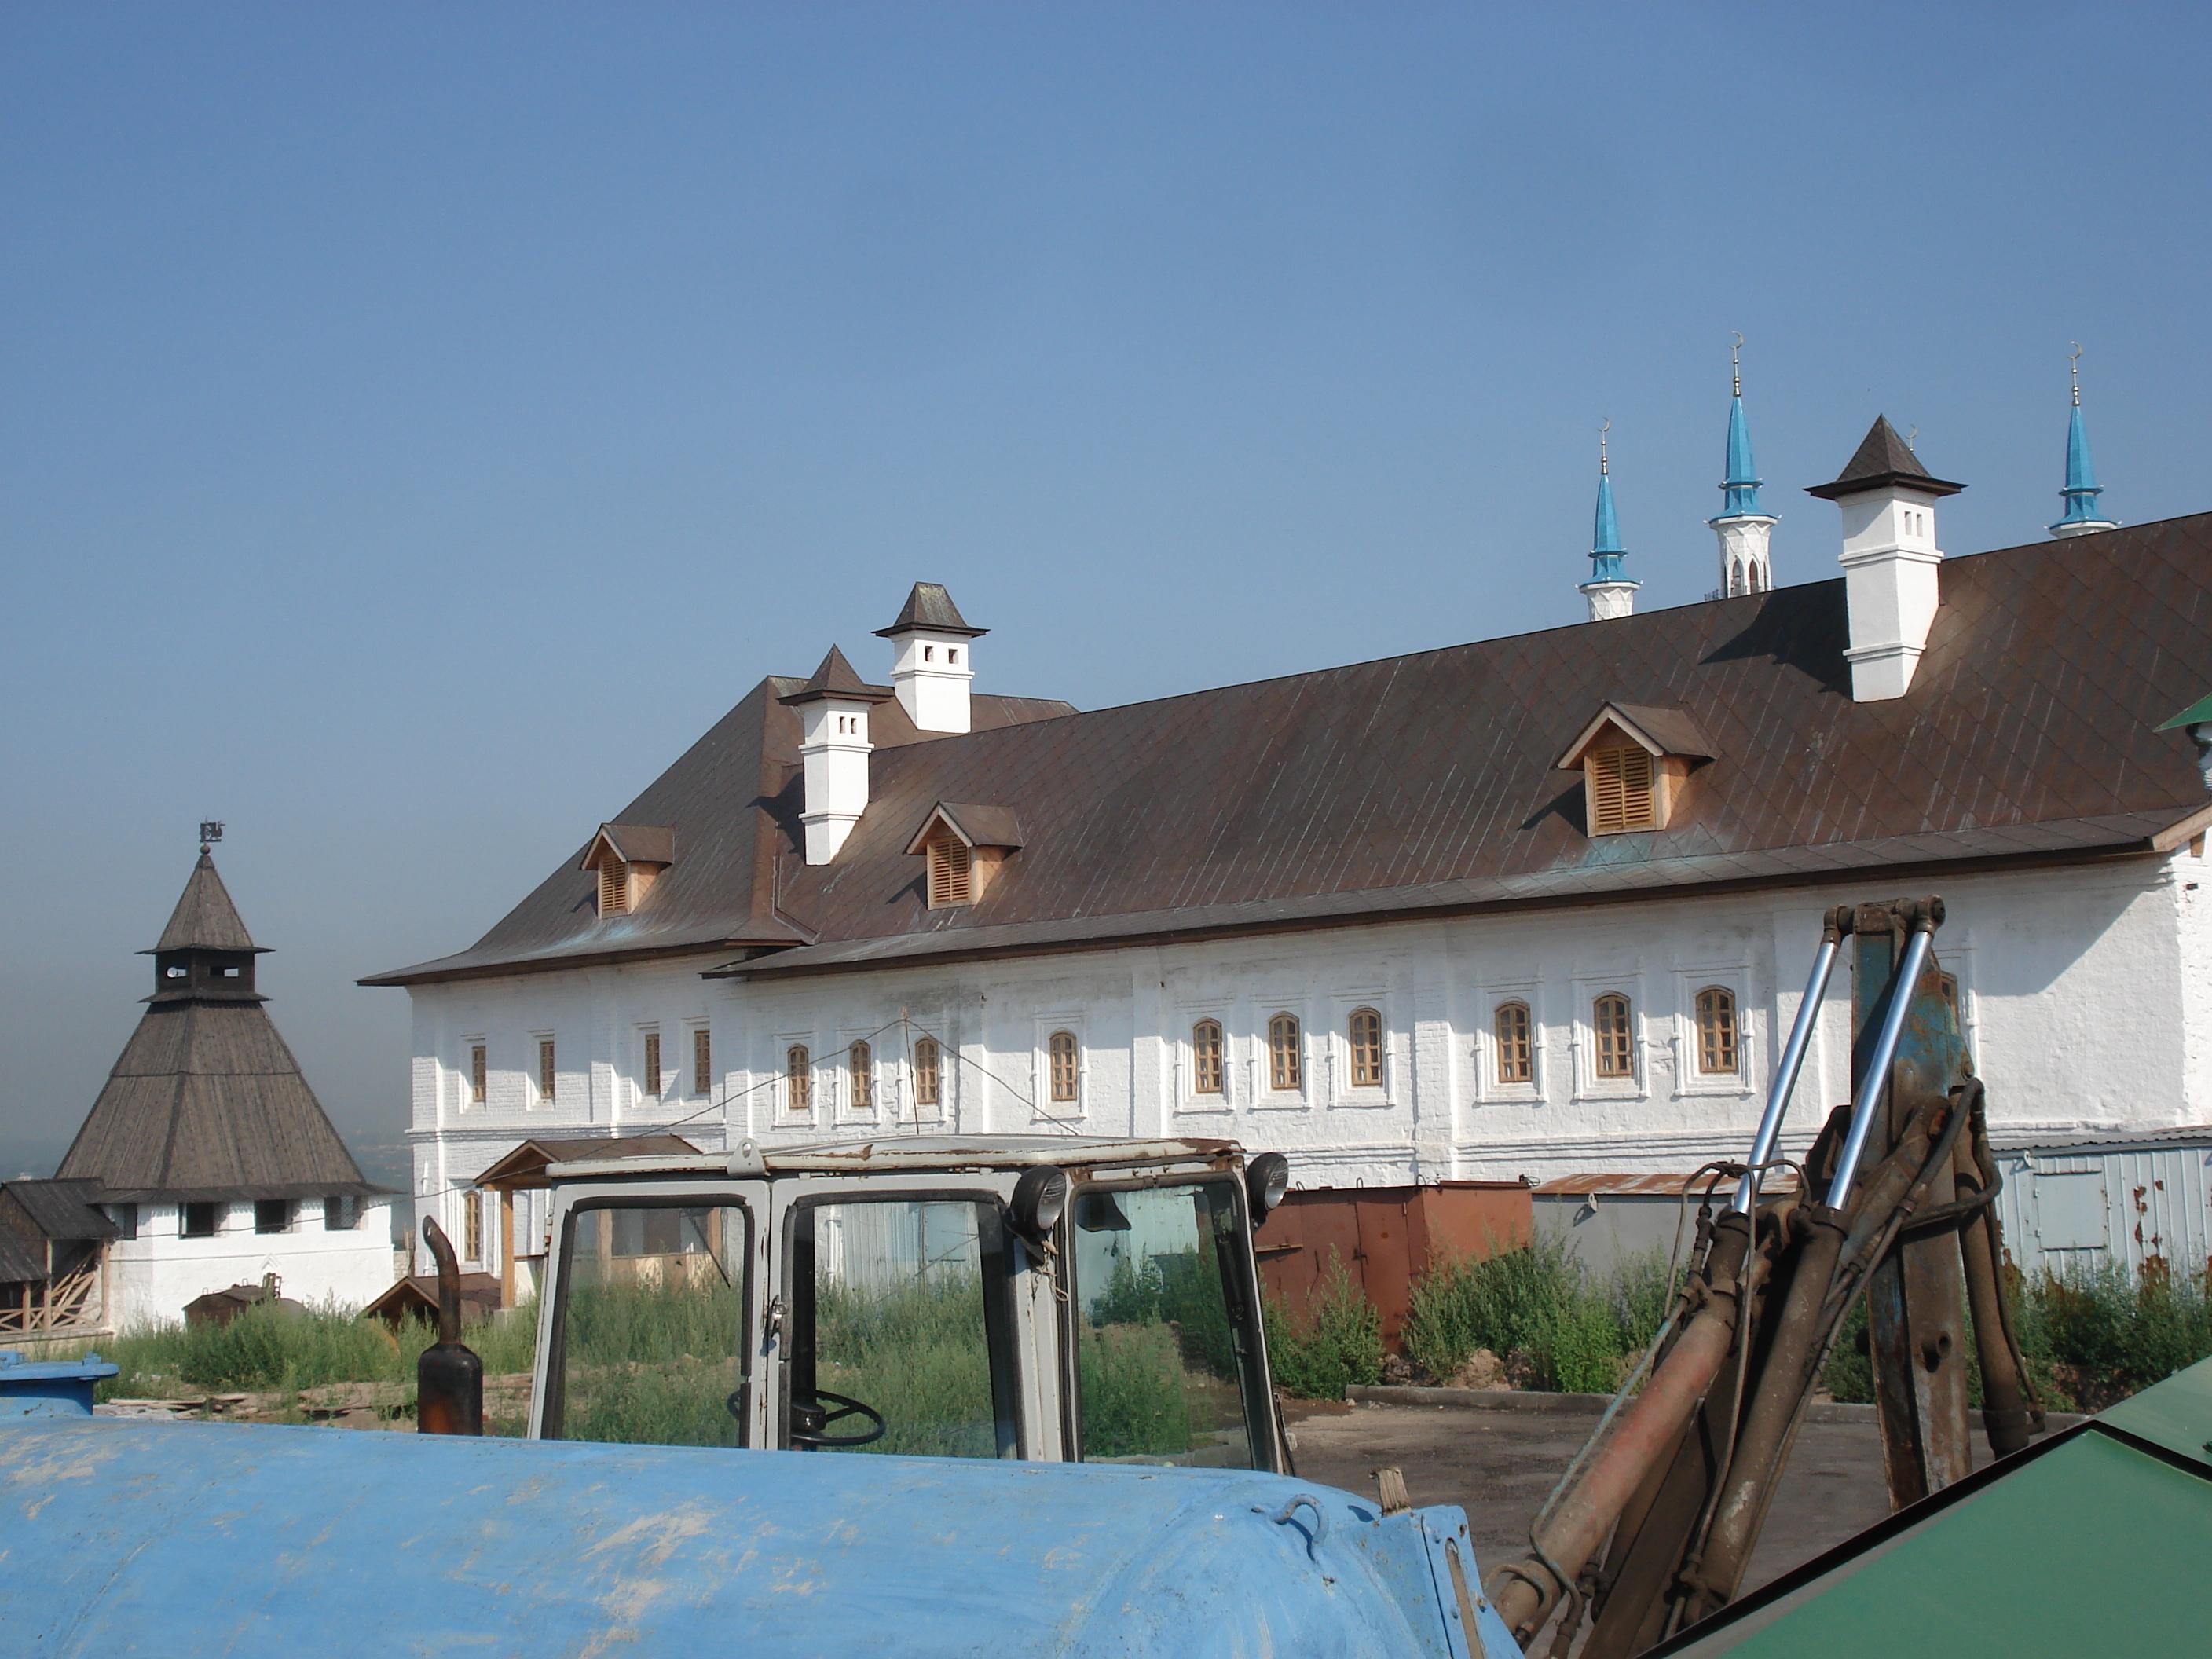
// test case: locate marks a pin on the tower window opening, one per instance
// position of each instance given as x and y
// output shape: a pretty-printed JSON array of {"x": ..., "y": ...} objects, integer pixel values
[
  {"x": 549, "y": 1078},
  {"x": 477, "y": 1074},
  {"x": 952, "y": 656}
]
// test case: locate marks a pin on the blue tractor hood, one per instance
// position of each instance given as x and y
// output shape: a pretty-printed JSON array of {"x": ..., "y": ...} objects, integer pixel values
[{"x": 189, "y": 1539}]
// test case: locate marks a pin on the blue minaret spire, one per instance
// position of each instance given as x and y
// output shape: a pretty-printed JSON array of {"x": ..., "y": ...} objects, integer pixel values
[
  {"x": 1742, "y": 527},
  {"x": 2082, "y": 515},
  {"x": 1608, "y": 590}
]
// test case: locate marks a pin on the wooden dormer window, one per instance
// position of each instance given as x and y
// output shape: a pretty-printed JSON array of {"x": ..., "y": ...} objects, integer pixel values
[
  {"x": 1618, "y": 778},
  {"x": 966, "y": 846},
  {"x": 952, "y": 872},
  {"x": 1634, "y": 761},
  {"x": 627, "y": 857}
]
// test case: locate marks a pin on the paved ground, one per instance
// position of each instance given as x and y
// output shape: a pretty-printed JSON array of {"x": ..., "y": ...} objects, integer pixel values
[{"x": 1500, "y": 1465}]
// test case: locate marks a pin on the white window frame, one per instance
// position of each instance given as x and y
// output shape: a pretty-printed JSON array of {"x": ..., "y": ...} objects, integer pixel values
[
  {"x": 1589, "y": 1085},
  {"x": 1266, "y": 1097},
  {"x": 1185, "y": 1052},
  {"x": 846, "y": 1112},
  {"x": 534, "y": 1097},
  {"x": 1044, "y": 1107},
  {"x": 1491, "y": 997},
  {"x": 1343, "y": 1093},
  {"x": 1691, "y": 1080}
]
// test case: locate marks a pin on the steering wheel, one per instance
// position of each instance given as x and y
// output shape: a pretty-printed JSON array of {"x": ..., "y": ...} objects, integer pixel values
[{"x": 807, "y": 1421}]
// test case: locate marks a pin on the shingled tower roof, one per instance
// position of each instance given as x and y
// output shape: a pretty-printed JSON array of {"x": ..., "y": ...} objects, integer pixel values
[
  {"x": 1882, "y": 459},
  {"x": 206, "y": 1101}
]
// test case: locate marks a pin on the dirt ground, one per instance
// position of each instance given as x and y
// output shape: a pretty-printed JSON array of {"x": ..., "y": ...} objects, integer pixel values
[{"x": 1500, "y": 1465}]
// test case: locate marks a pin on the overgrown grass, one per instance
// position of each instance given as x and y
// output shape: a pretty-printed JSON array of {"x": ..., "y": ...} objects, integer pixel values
[
  {"x": 1340, "y": 1342},
  {"x": 2091, "y": 1336},
  {"x": 268, "y": 1349},
  {"x": 916, "y": 1351},
  {"x": 1576, "y": 1333}
]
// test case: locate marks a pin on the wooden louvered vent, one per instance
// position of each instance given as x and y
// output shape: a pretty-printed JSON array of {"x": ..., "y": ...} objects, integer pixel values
[
  {"x": 951, "y": 872},
  {"x": 614, "y": 887},
  {"x": 1620, "y": 793}
]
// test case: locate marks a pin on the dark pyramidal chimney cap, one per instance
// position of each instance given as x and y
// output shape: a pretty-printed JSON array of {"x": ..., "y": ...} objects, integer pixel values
[{"x": 1883, "y": 461}]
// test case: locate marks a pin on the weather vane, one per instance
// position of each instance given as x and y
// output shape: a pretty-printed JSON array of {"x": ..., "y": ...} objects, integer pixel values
[
  {"x": 1736, "y": 362},
  {"x": 210, "y": 833},
  {"x": 2075, "y": 367},
  {"x": 1601, "y": 431}
]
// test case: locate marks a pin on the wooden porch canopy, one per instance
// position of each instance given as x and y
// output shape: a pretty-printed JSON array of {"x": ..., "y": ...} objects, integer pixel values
[{"x": 524, "y": 1169}]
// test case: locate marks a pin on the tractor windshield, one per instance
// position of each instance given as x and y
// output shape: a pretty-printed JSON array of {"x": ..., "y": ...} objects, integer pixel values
[
  {"x": 1167, "y": 1363},
  {"x": 650, "y": 1331},
  {"x": 901, "y": 1331}
]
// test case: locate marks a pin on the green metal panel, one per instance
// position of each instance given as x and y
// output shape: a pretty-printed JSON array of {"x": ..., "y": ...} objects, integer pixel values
[
  {"x": 2094, "y": 1548},
  {"x": 2175, "y": 1414}
]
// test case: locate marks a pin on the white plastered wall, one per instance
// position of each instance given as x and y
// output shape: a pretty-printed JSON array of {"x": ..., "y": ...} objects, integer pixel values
[
  {"x": 2081, "y": 998},
  {"x": 153, "y": 1276}
]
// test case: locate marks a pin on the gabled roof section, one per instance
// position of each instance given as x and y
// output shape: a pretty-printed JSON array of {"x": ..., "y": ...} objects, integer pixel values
[
  {"x": 732, "y": 802},
  {"x": 61, "y": 1210},
  {"x": 1882, "y": 459},
  {"x": 1656, "y": 731},
  {"x": 630, "y": 844},
  {"x": 929, "y": 608},
  {"x": 206, "y": 1101},
  {"x": 971, "y": 825},
  {"x": 524, "y": 1167},
  {"x": 205, "y": 919},
  {"x": 836, "y": 679}
]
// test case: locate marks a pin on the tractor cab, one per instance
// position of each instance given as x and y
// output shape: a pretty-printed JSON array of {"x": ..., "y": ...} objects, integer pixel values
[{"x": 1010, "y": 1297}]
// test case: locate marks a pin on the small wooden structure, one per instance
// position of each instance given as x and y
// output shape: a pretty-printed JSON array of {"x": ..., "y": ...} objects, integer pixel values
[
  {"x": 418, "y": 1297},
  {"x": 220, "y": 1307},
  {"x": 1386, "y": 1238},
  {"x": 524, "y": 1169},
  {"x": 53, "y": 1260}
]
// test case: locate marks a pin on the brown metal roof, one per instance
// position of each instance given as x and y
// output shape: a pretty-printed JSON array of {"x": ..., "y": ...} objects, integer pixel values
[
  {"x": 836, "y": 678},
  {"x": 929, "y": 607},
  {"x": 1423, "y": 784}
]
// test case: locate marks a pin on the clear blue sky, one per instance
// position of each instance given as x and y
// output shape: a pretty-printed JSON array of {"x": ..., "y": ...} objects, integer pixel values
[{"x": 418, "y": 423}]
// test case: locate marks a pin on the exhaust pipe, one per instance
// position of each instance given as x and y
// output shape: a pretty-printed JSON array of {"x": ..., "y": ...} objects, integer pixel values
[{"x": 448, "y": 1377}]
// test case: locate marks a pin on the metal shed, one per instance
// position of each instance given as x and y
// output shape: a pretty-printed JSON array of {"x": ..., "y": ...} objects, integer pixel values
[{"x": 2130, "y": 1196}]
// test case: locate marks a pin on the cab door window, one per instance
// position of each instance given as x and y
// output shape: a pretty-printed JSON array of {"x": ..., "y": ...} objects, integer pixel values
[
  {"x": 649, "y": 1343},
  {"x": 900, "y": 1328},
  {"x": 1167, "y": 1361}
]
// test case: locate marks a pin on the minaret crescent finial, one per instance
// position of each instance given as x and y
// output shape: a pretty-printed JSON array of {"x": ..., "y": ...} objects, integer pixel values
[
  {"x": 2074, "y": 366},
  {"x": 1604, "y": 427},
  {"x": 1736, "y": 362}
]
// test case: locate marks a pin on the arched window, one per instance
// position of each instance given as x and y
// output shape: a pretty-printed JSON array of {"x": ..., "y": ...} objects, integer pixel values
[
  {"x": 1515, "y": 1064},
  {"x": 1063, "y": 1065},
  {"x": 1757, "y": 581},
  {"x": 1206, "y": 1057},
  {"x": 1735, "y": 577},
  {"x": 797, "y": 1078},
  {"x": 1615, "y": 1056},
  {"x": 860, "y": 1066},
  {"x": 1715, "y": 1029},
  {"x": 1284, "y": 1074},
  {"x": 1366, "y": 1048},
  {"x": 924, "y": 1072}
]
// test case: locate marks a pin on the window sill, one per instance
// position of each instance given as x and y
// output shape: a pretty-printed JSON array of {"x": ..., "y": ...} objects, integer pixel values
[
  {"x": 1209, "y": 1105},
  {"x": 1285, "y": 1103},
  {"x": 1364, "y": 1100}
]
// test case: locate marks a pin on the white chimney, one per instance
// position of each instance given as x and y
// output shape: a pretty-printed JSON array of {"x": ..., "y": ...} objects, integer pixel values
[
  {"x": 930, "y": 669},
  {"x": 1890, "y": 560},
  {"x": 834, "y": 745}
]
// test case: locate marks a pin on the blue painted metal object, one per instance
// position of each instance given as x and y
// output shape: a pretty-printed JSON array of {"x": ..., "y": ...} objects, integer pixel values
[
  {"x": 2081, "y": 486},
  {"x": 53, "y": 1387},
  {"x": 1739, "y": 490},
  {"x": 1605, "y": 550},
  {"x": 191, "y": 1539}
]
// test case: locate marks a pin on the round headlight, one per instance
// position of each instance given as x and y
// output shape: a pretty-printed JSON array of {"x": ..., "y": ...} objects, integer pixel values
[
  {"x": 1267, "y": 1178},
  {"x": 1040, "y": 1197}
]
